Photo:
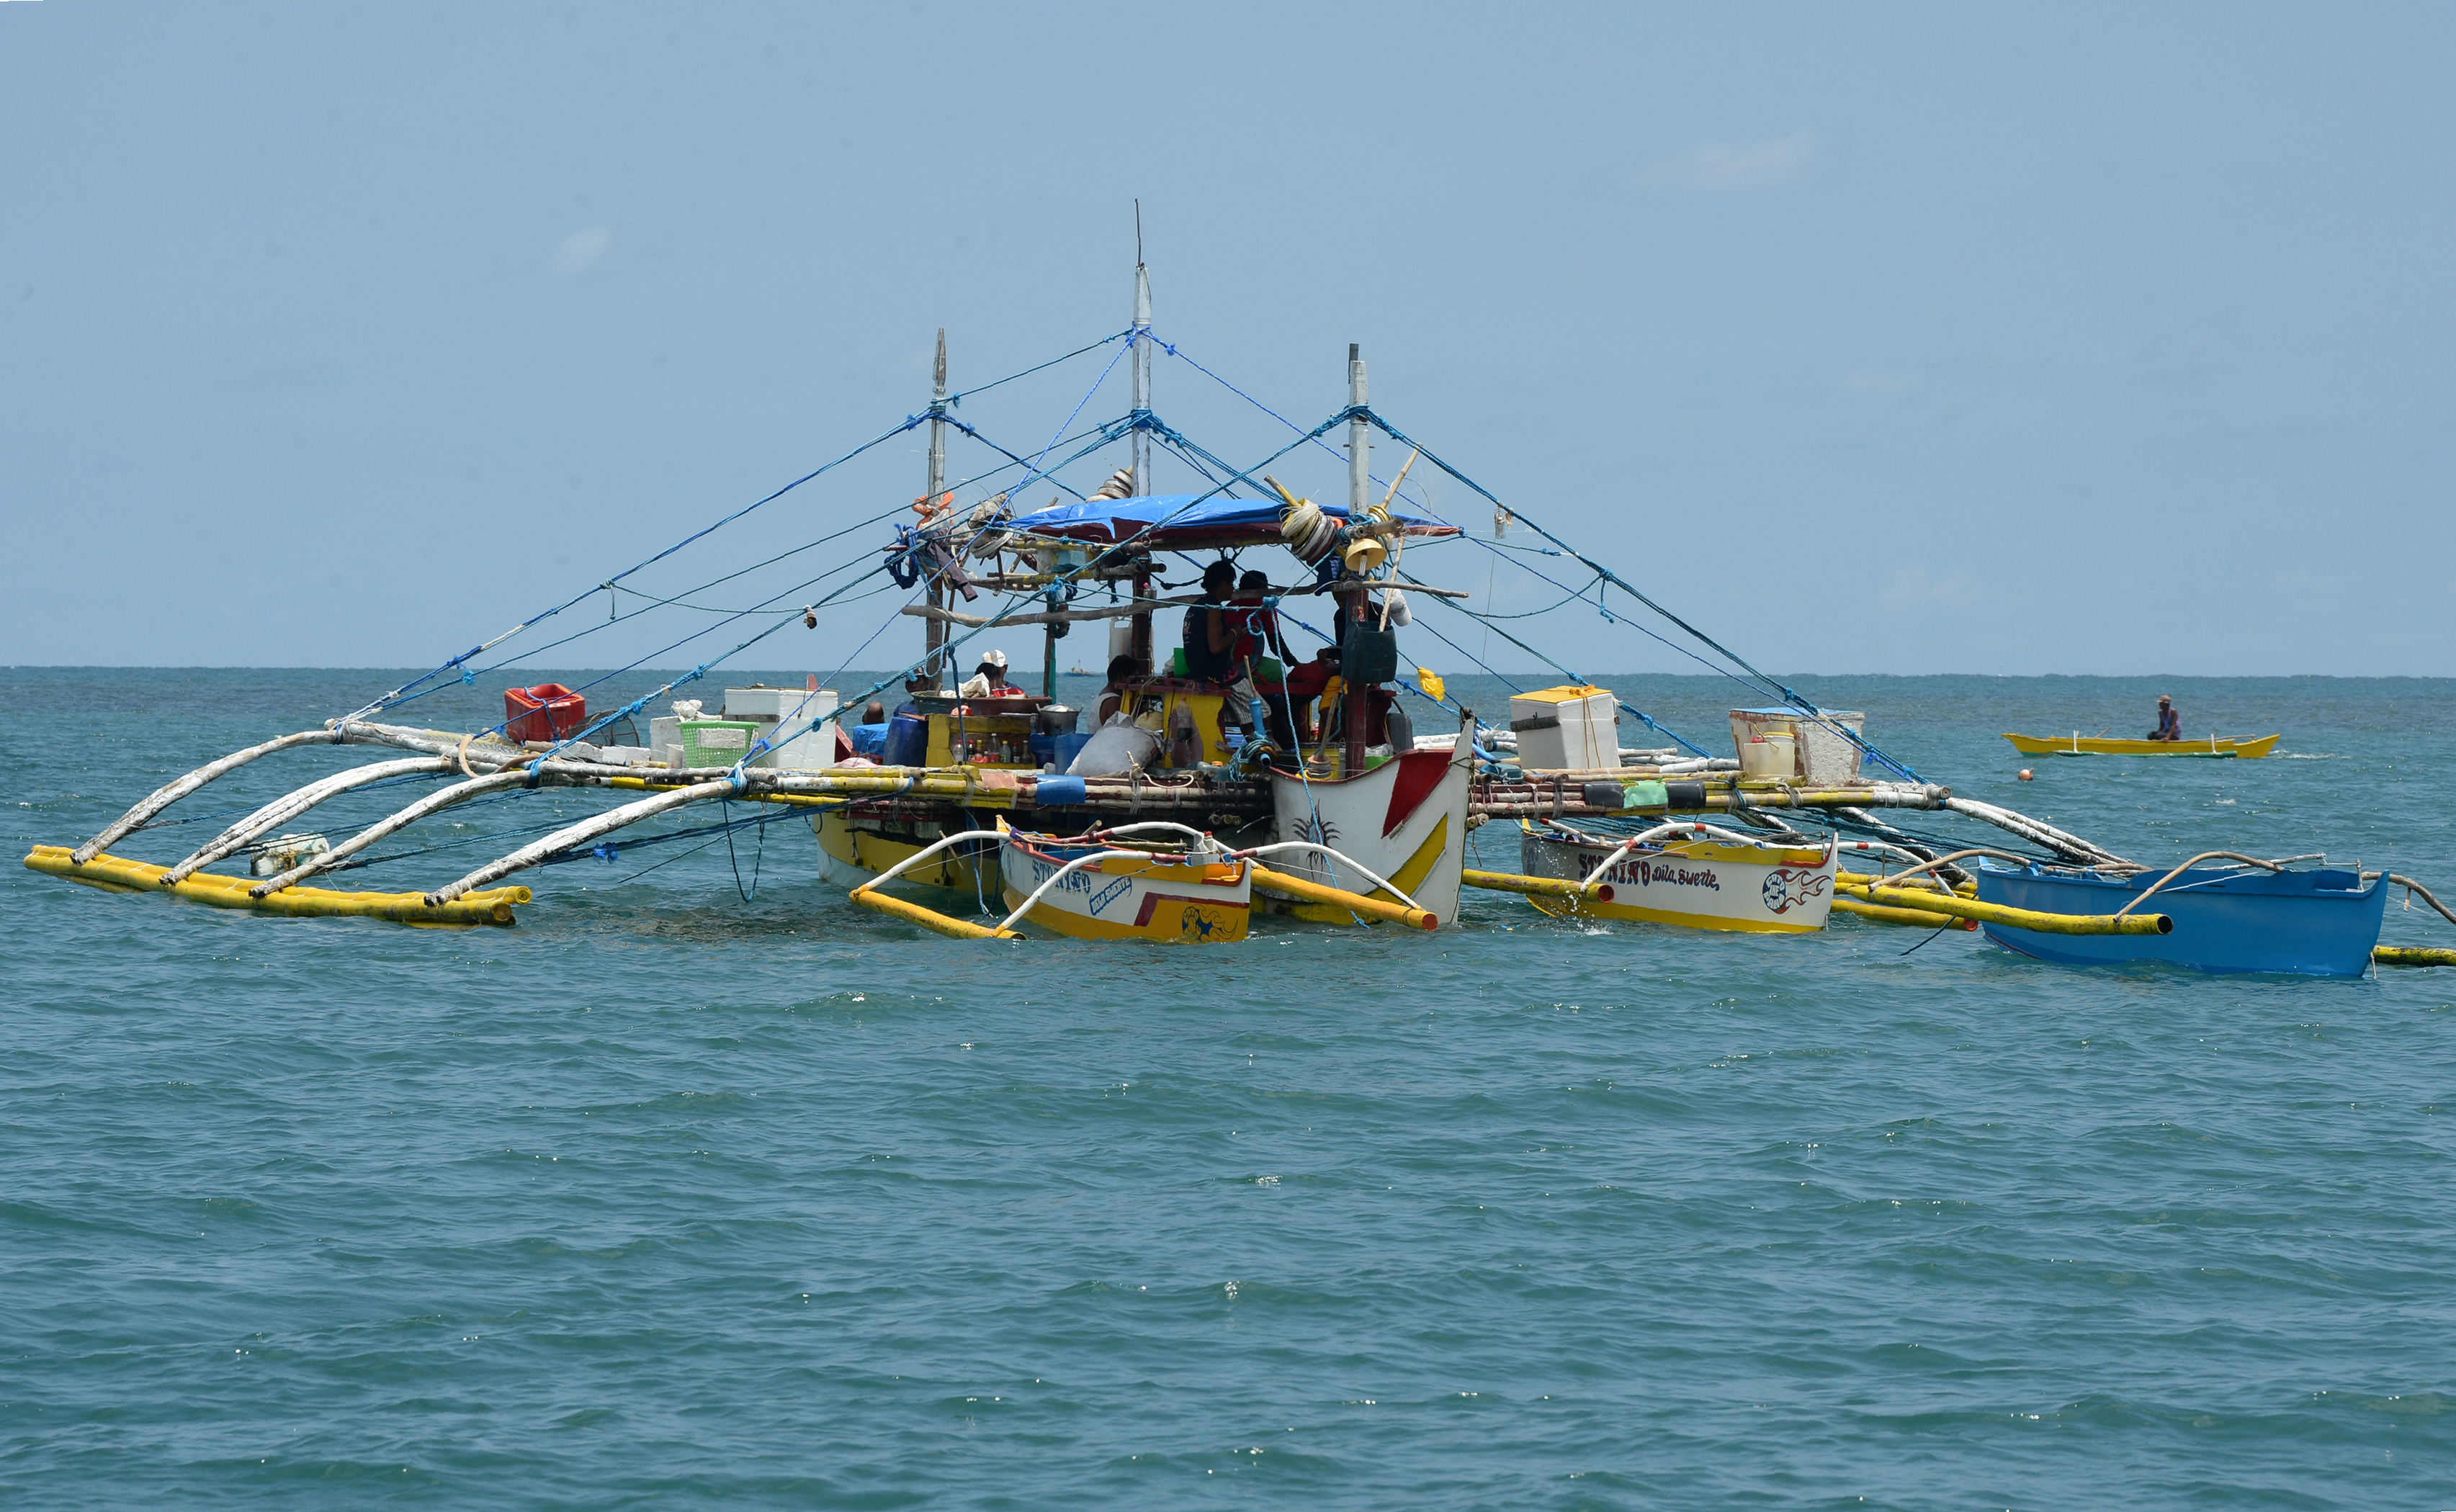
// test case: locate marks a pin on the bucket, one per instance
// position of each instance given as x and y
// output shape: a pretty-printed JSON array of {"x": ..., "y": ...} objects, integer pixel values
[
  {"x": 1067, "y": 747},
  {"x": 1773, "y": 756}
]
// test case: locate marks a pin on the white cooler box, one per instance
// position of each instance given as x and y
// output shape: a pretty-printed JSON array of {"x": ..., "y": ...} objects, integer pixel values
[
  {"x": 1567, "y": 729},
  {"x": 1821, "y": 754},
  {"x": 768, "y": 707}
]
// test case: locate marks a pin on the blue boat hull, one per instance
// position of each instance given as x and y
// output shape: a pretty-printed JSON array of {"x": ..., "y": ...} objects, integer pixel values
[{"x": 2308, "y": 923}]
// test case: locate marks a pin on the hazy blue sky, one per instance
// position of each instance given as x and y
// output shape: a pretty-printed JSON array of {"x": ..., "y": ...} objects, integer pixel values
[{"x": 1875, "y": 338}]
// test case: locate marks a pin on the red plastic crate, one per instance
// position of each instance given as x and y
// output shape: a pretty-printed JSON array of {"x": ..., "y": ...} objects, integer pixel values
[{"x": 548, "y": 712}]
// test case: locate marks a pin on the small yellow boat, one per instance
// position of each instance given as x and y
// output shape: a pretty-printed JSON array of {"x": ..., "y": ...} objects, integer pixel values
[{"x": 2077, "y": 744}]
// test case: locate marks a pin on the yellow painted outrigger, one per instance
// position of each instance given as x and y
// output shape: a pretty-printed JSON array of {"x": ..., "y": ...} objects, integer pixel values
[{"x": 2077, "y": 744}]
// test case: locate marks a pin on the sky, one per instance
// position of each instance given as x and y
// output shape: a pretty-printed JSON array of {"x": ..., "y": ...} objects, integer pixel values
[{"x": 2084, "y": 339}]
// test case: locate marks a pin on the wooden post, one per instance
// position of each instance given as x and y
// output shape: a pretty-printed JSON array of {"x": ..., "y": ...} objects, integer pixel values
[
  {"x": 1358, "y": 701},
  {"x": 1142, "y": 647},
  {"x": 935, "y": 672}
]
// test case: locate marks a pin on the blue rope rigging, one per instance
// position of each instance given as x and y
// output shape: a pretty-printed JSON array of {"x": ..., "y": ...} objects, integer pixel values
[
  {"x": 1795, "y": 699},
  {"x": 458, "y": 663}
]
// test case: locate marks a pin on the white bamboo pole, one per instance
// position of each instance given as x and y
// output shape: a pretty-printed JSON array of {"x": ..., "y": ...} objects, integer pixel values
[
  {"x": 391, "y": 824},
  {"x": 289, "y": 805},
  {"x": 580, "y": 833},
  {"x": 2072, "y": 847},
  {"x": 169, "y": 793}
]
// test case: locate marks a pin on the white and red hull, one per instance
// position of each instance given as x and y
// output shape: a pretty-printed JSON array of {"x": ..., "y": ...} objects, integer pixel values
[{"x": 1405, "y": 819}]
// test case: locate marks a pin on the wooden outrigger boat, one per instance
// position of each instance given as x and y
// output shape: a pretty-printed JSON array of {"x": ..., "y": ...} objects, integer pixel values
[
  {"x": 2077, "y": 744},
  {"x": 1222, "y": 799},
  {"x": 1698, "y": 876}
]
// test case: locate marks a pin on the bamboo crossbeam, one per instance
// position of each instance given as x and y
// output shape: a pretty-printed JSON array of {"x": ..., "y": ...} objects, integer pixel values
[
  {"x": 1915, "y": 918},
  {"x": 1537, "y": 887},
  {"x": 118, "y": 875},
  {"x": 1122, "y": 610},
  {"x": 169, "y": 793},
  {"x": 1267, "y": 880},
  {"x": 289, "y": 805},
  {"x": 1962, "y": 908},
  {"x": 1532, "y": 801},
  {"x": 580, "y": 833},
  {"x": 433, "y": 803},
  {"x": 929, "y": 918}
]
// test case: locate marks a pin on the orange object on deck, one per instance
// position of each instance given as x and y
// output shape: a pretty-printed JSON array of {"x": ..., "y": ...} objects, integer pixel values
[{"x": 548, "y": 712}]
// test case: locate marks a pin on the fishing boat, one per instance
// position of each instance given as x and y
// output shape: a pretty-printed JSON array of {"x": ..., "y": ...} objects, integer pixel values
[
  {"x": 2077, "y": 744},
  {"x": 2241, "y": 916},
  {"x": 1698, "y": 876},
  {"x": 1128, "y": 884},
  {"x": 1278, "y": 778}
]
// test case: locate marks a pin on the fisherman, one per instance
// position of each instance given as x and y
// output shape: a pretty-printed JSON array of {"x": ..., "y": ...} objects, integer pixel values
[
  {"x": 1307, "y": 682},
  {"x": 989, "y": 678},
  {"x": 1112, "y": 697},
  {"x": 2170, "y": 725},
  {"x": 1209, "y": 639},
  {"x": 1258, "y": 632},
  {"x": 1257, "y": 627}
]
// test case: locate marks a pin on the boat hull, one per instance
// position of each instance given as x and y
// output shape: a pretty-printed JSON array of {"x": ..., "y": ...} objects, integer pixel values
[
  {"x": 1127, "y": 898},
  {"x": 1696, "y": 884},
  {"x": 2094, "y": 746},
  {"x": 852, "y": 852},
  {"x": 2226, "y": 922},
  {"x": 1405, "y": 819}
]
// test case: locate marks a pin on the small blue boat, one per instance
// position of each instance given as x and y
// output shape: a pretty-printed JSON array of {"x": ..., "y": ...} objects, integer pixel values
[{"x": 2319, "y": 923}]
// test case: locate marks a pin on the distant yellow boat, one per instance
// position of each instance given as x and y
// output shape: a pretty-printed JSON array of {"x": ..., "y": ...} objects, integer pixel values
[{"x": 2077, "y": 744}]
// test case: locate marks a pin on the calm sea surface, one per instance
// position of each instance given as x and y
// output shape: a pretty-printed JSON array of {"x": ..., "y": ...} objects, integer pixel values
[{"x": 664, "y": 1196}]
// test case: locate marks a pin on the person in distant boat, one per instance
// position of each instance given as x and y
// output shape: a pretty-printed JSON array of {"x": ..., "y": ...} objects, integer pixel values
[
  {"x": 2170, "y": 725},
  {"x": 1113, "y": 695},
  {"x": 989, "y": 678}
]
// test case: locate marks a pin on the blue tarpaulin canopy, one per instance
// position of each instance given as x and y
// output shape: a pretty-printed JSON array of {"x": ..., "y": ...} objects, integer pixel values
[{"x": 1218, "y": 521}]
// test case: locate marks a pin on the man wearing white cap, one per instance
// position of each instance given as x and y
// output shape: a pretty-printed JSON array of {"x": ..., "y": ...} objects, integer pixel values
[{"x": 989, "y": 678}]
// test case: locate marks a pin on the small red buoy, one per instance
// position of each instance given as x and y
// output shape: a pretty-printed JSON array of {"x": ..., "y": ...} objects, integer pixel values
[{"x": 2025, "y": 774}]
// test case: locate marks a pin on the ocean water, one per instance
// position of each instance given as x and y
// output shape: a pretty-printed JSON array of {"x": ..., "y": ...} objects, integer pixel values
[{"x": 667, "y": 1196}]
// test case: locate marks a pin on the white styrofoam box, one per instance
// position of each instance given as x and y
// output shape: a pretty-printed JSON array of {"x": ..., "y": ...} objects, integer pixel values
[
  {"x": 665, "y": 739},
  {"x": 771, "y": 707},
  {"x": 772, "y": 704},
  {"x": 1573, "y": 728},
  {"x": 1824, "y": 753}
]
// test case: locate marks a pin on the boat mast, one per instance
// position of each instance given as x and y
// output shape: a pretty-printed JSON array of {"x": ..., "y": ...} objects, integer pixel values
[
  {"x": 1140, "y": 647},
  {"x": 1356, "y": 701},
  {"x": 935, "y": 674}
]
